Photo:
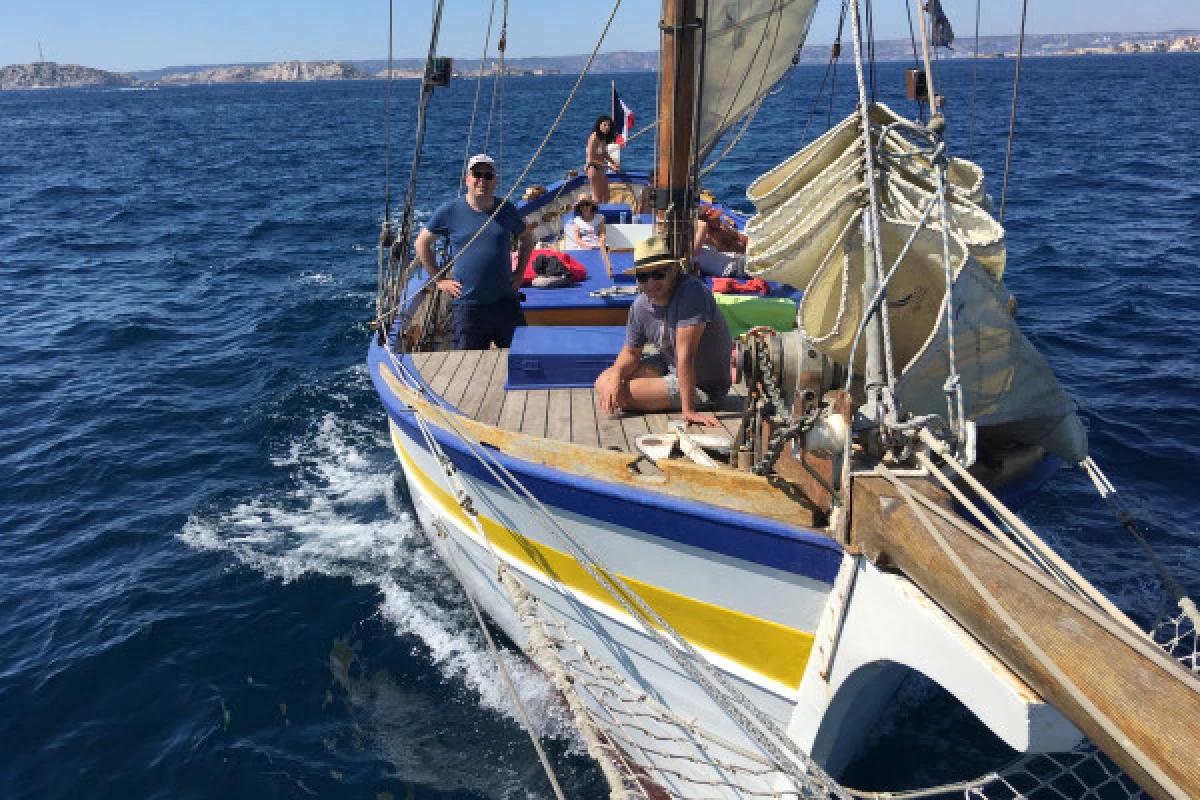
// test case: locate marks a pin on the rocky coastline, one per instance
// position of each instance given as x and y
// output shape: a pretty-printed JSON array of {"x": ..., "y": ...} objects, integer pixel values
[
  {"x": 280, "y": 72},
  {"x": 50, "y": 75}
]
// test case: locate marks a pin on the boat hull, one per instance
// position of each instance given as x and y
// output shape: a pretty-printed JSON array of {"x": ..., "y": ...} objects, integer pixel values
[{"x": 786, "y": 616}]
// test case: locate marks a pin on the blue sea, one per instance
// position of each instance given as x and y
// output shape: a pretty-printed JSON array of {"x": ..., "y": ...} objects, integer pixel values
[{"x": 211, "y": 584}]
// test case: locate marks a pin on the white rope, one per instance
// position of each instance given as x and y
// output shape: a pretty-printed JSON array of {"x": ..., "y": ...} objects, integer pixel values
[
  {"x": 1101, "y": 719},
  {"x": 953, "y": 387},
  {"x": 508, "y": 682},
  {"x": 468, "y": 508},
  {"x": 1028, "y": 538},
  {"x": 1126, "y": 520},
  {"x": 761, "y": 728}
]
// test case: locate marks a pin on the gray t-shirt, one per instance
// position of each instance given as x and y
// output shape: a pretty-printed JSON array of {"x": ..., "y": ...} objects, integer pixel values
[{"x": 691, "y": 303}]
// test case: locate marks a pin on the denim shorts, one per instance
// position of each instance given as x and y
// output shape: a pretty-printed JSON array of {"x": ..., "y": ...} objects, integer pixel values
[{"x": 702, "y": 398}]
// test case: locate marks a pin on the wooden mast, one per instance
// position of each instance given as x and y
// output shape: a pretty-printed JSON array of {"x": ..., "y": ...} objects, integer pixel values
[{"x": 676, "y": 116}]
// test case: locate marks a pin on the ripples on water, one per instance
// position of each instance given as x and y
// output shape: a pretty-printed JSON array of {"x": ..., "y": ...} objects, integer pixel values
[{"x": 212, "y": 586}]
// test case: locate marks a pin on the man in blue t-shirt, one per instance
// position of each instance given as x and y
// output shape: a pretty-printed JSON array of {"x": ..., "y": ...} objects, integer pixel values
[
  {"x": 677, "y": 314},
  {"x": 486, "y": 307}
]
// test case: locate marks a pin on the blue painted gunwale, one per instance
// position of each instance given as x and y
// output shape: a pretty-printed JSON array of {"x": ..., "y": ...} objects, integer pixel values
[{"x": 725, "y": 532}]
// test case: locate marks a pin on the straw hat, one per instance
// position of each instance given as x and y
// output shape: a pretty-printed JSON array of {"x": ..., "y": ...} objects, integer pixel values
[
  {"x": 651, "y": 253},
  {"x": 586, "y": 200}
]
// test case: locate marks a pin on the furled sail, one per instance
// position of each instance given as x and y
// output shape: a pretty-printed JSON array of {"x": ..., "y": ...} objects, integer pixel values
[
  {"x": 808, "y": 233},
  {"x": 749, "y": 45}
]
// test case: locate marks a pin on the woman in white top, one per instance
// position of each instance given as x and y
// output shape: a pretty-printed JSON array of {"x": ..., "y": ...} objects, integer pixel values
[
  {"x": 589, "y": 225},
  {"x": 598, "y": 161}
]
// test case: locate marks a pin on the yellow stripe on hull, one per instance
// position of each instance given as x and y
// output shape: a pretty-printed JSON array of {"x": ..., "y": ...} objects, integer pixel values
[{"x": 776, "y": 652}]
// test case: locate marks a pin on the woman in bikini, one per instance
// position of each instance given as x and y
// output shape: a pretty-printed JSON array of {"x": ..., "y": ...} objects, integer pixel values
[{"x": 598, "y": 160}]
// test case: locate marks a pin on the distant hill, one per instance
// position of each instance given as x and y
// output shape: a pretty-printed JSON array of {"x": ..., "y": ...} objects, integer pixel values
[
  {"x": 283, "y": 71},
  {"x": 818, "y": 52},
  {"x": 49, "y": 75}
]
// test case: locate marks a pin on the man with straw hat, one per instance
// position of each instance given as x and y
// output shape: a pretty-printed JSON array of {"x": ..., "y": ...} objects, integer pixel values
[{"x": 677, "y": 314}]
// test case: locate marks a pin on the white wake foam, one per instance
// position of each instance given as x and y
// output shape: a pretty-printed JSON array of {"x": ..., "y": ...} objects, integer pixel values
[{"x": 338, "y": 513}]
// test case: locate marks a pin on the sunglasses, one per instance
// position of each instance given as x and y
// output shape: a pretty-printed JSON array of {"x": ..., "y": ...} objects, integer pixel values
[
  {"x": 656, "y": 274},
  {"x": 483, "y": 174}
]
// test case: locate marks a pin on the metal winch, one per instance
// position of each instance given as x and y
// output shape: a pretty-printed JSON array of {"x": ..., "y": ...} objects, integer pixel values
[{"x": 787, "y": 379}]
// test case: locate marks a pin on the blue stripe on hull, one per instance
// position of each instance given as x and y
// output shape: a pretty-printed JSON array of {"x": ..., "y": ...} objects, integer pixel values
[{"x": 730, "y": 533}]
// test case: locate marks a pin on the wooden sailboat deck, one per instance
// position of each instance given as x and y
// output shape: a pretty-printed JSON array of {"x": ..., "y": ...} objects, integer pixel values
[{"x": 473, "y": 382}]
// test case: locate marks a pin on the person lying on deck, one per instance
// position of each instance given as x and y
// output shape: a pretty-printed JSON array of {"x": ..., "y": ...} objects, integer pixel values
[
  {"x": 589, "y": 225},
  {"x": 718, "y": 246},
  {"x": 677, "y": 313},
  {"x": 486, "y": 307}
]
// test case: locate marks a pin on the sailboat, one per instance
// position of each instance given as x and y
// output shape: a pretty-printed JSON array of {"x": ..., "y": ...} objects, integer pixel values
[{"x": 729, "y": 615}]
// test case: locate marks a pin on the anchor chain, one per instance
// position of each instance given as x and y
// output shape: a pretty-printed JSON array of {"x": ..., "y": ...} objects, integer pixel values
[{"x": 783, "y": 430}]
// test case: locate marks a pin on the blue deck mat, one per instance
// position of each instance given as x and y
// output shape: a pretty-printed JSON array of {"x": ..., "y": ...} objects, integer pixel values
[{"x": 579, "y": 295}]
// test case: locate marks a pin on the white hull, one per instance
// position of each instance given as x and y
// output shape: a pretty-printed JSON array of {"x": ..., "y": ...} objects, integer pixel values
[{"x": 820, "y": 657}]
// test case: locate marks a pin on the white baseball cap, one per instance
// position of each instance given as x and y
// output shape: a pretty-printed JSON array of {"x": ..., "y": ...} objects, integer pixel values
[{"x": 482, "y": 158}]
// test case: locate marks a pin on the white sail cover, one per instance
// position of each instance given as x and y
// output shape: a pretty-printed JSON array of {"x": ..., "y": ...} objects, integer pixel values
[
  {"x": 749, "y": 45},
  {"x": 808, "y": 233}
]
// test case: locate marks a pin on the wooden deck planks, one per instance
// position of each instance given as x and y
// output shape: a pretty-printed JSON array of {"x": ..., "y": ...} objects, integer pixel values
[
  {"x": 456, "y": 389},
  {"x": 558, "y": 415},
  {"x": 492, "y": 403},
  {"x": 533, "y": 421},
  {"x": 473, "y": 381},
  {"x": 633, "y": 426},
  {"x": 730, "y": 411},
  {"x": 583, "y": 418},
  {"x": 609, "y": 431},
  {"x": 478, "y": 385},
  {"x": 512, "y": 413},
  {"x": 446, "y": 371},
  {"x": 429, "y": 363},
  {"x": 657, "y": 423}
]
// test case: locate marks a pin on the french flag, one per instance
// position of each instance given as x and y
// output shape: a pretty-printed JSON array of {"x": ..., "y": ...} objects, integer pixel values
[{"x": 622, "y": 118}]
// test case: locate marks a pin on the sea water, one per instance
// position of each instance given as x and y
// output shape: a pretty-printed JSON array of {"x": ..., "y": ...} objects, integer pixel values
[{"x": 211, "y": 583}]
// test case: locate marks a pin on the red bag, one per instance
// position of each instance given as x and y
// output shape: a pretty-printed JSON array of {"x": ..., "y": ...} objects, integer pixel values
[
  {"x": 732, "y": 286},
  {"x": 577, "y": 271}
]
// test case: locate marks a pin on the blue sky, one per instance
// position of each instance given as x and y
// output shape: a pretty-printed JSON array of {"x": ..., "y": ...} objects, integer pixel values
[{"x": 148, "y": 34}]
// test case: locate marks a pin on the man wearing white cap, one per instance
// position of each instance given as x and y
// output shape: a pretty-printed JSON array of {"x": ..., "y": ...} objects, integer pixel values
[
  {"x": 677, "y": 314},
  {"x": 486, "y": 307}
]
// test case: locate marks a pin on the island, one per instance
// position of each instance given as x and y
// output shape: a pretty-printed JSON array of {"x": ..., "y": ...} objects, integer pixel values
[
  {"x": 49, "y": 75},
  {"x": 279, "y": 72}
]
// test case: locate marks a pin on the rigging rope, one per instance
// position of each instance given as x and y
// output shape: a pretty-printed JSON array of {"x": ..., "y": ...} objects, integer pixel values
[
  {"x": 508, "y": 682},
  {"x": 387, "y": 150},
  {"x": 1104, "y": 721},
  {"x": 835, "y": 52},
  {"x": 487, "y": 40},
  {"x": 502, "y": 46},
  {"x": 381, "y": 318},
  {"x": 761, "y": 728},
  {"x": 954, "y": 394},
  {"x": 865, "y": 122},
  {"x": 1127, "y": 521},
  {"x": 974, "y": 74},
  {"x": 387, "y": 237},
  {"x": 726, "y": 119},
  {"x": 1012, "y": 121}
]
